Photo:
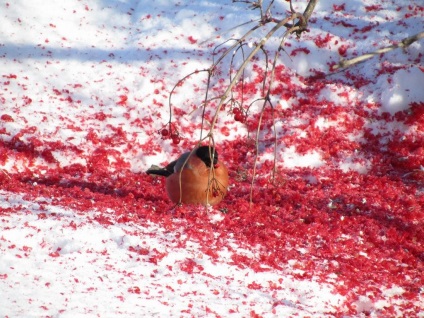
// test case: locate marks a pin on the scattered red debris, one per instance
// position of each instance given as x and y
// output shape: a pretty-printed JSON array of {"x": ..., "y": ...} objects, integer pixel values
[
  {"x": 375, "y": 7},
  {"x": 122, "y": 100},
  {"x": 10, "y": 76},
  {"x": 322, "y": 42},
  {"x": 298, "y": 50},
  {"x": 192, "y": 40},
  {"x": 342, "y": 50},
  {"x": 190, "y": 266},
  {"x": 254, "y": 285},
  {"x": 55, "y": 253},
  {"x": 26, "y": 100},
  {"x": 7, "y": 118},
  {"x": 341, "y": 7},
  {"x": 134, "y": 290}
]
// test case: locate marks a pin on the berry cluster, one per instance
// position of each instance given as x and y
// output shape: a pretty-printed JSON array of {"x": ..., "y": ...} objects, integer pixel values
[
  {"x": 168, "y": 133},
  {"x": 239, "y": 115}
]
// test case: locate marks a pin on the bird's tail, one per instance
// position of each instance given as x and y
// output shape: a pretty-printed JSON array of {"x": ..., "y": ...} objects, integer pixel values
[{"x": 158, "y": 171}]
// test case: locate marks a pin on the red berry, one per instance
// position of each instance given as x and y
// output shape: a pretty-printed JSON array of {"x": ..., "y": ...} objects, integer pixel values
[
  {"x": 164, "y": 132},
  {"x": 175, "y": 139},
  {"x": 236, "y": 111},
  {"x": 239, "y": 117}
]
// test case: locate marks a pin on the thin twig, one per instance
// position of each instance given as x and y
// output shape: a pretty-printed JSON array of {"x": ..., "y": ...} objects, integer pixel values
[
  {"x": 179, "y": 83},
  {"x": 6, "y": 174},
  {"x": 247, "y": 60},
  {"x": 227, "y": 31}
]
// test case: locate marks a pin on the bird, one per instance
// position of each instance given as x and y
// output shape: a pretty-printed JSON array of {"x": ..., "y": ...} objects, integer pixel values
[{"x": 196, "y": 177}]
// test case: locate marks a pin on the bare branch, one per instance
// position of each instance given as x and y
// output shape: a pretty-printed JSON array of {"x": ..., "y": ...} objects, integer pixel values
[
  {"x": 403, "y": 44},
  {"x": 303, "y": 22},
  {"x": 309, "y": 9}
]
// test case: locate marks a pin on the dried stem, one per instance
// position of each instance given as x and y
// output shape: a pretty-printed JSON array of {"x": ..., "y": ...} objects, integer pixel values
[
  {"x": 6, "y": 174},
  {"x": 403, "y": 44}
]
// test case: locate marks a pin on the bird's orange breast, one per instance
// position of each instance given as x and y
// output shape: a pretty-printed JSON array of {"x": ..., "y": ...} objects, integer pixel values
[{"x": 195, "y": 183}]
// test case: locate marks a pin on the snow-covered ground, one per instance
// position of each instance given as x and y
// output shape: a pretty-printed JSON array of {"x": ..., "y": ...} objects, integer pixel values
[
  {"x": 66, "y": 264},
  {"x": 84, "y": 232}
]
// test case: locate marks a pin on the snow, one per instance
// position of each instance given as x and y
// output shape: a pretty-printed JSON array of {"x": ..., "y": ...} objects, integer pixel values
[
  {"x": 84, "y": 232},
  {"x": 403, "y": 90},
  {"x": 293, "y": 159},
  {"x": 66, "y": 265}
]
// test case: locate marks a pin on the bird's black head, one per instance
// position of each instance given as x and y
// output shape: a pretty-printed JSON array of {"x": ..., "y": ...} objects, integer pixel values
[{"x": 205, "y": 154}]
